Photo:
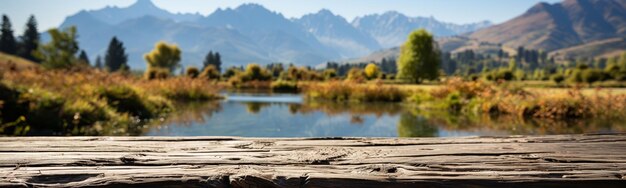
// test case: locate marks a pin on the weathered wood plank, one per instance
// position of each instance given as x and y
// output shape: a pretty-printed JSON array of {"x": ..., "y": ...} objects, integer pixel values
[{"x": 516, "y": 161}]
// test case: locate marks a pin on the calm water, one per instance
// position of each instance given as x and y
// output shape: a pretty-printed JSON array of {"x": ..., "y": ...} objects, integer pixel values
[{"x": 288, "y": 115}]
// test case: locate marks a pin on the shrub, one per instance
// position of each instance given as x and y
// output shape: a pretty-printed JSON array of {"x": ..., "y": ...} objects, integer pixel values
[
  {"x": 504, "y": 74},
  {"x": 192, "y": 72},
  {"x": 42, "y": 107},
  {"x": 211, "y": 73},
  {"x": 230, "y": 72},
  {"x": 302, "y": 74},
  {"x": 356, "y": 75},
  {"x": 125, "y": 99},
  {"x": 82, "y": 113},
  {"x": 283, "y": 85},
  {"x": 330, "y": 74},
  {"x": 156, "y": 73},
  {"x": 372, "y": 71},
  {"x": 256, "y": 72},
  {"x": 590, "y": 76},
  {"x": 235, "y": 81},
  {"x": 557, "y": 78}
]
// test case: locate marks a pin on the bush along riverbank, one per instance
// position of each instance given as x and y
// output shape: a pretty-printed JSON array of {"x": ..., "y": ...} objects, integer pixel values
[
  {"x": 477, "y": 97},
  {"x": 86, "y": 101},
  {"x": 346, "y": 91},
  {"x": 480, "y": 97}
]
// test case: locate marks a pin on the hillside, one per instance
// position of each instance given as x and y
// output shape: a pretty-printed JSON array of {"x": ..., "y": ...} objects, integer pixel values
[
  {"x": 377, "y": 56},
  {"x": 601, "y": 48},
  {"x": 6, "y": 60},
  {"x": 560, "y": 25}
]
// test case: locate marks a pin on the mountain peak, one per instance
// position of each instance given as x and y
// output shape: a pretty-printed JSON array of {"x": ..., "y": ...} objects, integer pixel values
[
  {"x": 250, "y": 6},
  {"x": 539, "y": 7},
  {"x": 144, "y": 4},
  {"x": 392, "y": 13},
  {"x": 325, "y": 12}
]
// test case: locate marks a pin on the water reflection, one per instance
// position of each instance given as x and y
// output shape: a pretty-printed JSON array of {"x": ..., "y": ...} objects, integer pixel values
[
  {"x": 287, "y": 115},
  {"x": 411, "y": 125}
]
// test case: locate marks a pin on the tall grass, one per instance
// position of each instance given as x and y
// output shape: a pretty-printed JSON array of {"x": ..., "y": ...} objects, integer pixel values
[
  {"x": 502, "y": 98},
  {"x": 85, "y": 100},
  {"x": 343, "y": 91}
]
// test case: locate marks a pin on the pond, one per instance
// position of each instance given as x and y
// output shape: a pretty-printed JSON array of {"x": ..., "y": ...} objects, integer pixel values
[{"x": 289, "y": 115}]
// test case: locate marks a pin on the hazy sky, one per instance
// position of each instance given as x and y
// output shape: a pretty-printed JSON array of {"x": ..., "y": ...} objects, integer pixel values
[{"x": 50, "y": 13}]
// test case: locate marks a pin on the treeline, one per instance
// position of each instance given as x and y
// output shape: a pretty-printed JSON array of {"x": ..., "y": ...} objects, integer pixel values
[
  {"x": 24, "y": 45},
  {"x": 63, "y": 51}
]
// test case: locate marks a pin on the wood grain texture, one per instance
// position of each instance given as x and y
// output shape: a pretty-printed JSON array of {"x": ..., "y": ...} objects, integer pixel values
[{"x": 515, "y": 161}]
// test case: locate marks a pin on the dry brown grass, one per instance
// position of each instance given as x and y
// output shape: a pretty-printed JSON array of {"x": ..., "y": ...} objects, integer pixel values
[
  {"x": 504, "y": 98},
  {"x": 349, "y": 91},
  {"x": 90, "y": 99}
]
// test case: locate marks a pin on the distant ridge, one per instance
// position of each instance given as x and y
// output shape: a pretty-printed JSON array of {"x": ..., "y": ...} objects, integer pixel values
[
  {"x": 391, "y": 28},
  {"x": 248, "y": 33},
  {"x": 560, "y": 25}
]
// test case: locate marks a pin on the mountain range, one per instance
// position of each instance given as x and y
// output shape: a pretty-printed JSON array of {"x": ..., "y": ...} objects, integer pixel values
[
  {"x": 568, "y": 30},
  {"x": 249, "y": 33}
]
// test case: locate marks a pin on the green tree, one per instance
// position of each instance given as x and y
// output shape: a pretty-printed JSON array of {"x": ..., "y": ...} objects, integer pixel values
[
  {"x": 116, "y": 57},
  {"x": 419, "y": 58},
  {"x": 29, "y": 41},
  {"x": 7, "y": 40},
  {"x": 83, "y": 58},
  {"x": 372, "y": 71},
  {"x": 512, "y": 64},
  {"x": 98, "y": 63},
  {"x": 213, "y": 59},
  {"x": 60, "y": 52},
  {"x": 622, "y": 61},
  {"x": 165, "y": 56}
]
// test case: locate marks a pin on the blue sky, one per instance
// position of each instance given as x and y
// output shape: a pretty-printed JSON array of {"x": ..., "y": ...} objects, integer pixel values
[{"x": 50, "y": 13}]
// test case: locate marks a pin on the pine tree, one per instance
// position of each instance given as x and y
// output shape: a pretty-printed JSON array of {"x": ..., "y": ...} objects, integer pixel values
[
  {"x": 83, "y": 58},
  {"x": 208, "y": 60},
  {"x": 98, "y": 64},
  {"x": 116, "y": 57},
  {"x": 7, "y": 40},
  {"x": 213, "y": 59},
  {"x": 218, "y": 62},
  {"x": 29, "y": 41}
]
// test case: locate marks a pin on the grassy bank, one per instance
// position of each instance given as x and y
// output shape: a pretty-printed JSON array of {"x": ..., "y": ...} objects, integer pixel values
[
  {"x": 504, "y": 98},
  {"x": 85, "y": 101},
  {"x": 481, "y": 97},
  {"x": 345, "y": 91}
]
